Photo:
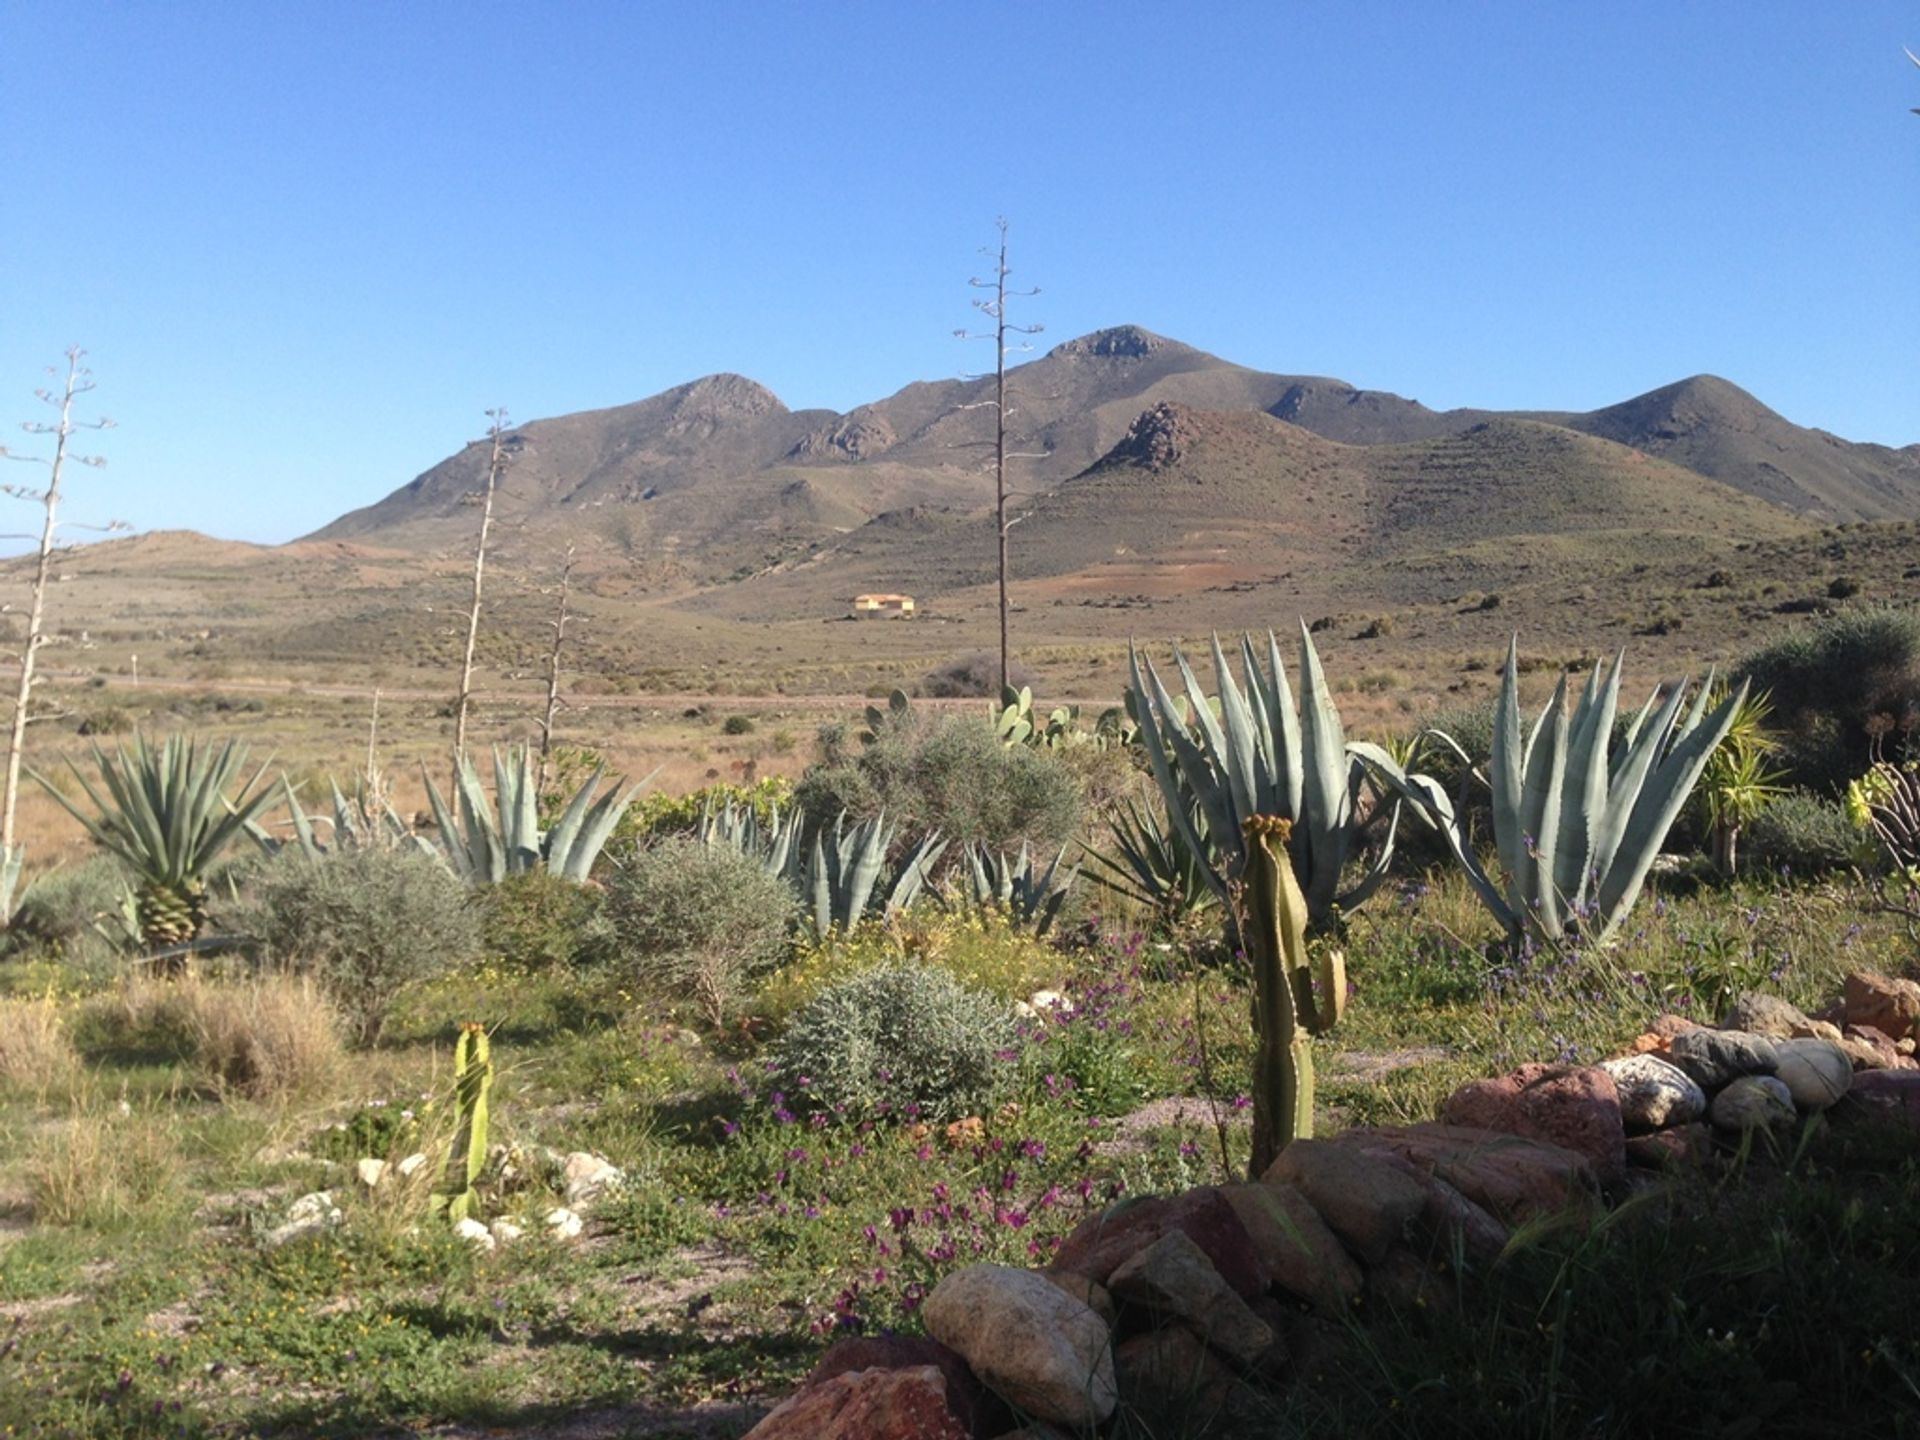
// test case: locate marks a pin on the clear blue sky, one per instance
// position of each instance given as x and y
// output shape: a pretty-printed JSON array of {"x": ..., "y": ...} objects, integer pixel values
[{"x": 307, "y": 245}]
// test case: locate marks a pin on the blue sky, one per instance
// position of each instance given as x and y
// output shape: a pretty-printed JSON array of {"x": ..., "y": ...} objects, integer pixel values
[{"x": 308, "y": 245}]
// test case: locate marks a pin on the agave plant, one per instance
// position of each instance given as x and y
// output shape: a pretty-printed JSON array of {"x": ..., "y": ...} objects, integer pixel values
[
  {"x": 167, "y": 814},
  {"x": 367, "y": 819},
  {"x": 1577, "y": 822},
  {"x": 1259, "y": 756},
  {"x": 847, "y": 878},
  {"x": 1152, "y": 863},
  {"x": 1029, "y": 896},
  {"x": 482, "y": 849},
  {"x": 774, "y": 841}
]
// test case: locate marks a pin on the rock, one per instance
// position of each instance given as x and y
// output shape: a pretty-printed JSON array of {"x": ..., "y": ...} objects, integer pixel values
[
  {"x": 563, "y": 1224},
  {"x": 1753, "y": 1102},
  {"x": 1044, "y": 1002},
  {"x": 311, "y": 1214},
  {"x": 1365, "y": 1200},
  {"x": 589, "y": 1176},
  {"x": 1512, "y": 1178},
  {"x": 1403, "y": 1282},
  {"x": 412, "y": 1163},
  {"x": 1296, "y": 1248},
  {"x": 1816, "y": 1073},
  {"x": 877, "y": 1404},
  {"x": 1169, "y": 1371},
  {"x": 1101, "y": 1243},
  {"x": 1889, "y": 1006},
  {"x": 1893, "y": 1094},
  {"x": 1717, "y": 1057},
  {"x": 1041, "y": 1350},
  {"x": 1090, "y": 1293},
  {"x": 1870, "y": 1049},
  {"x": 473, "y": 1231},
  {"x": 1655, "y": 1093},
  {"x": 1675, "y": 1149},
  {"x": 977, "y": 1409},
  {"x": 506, "y": 1232},
  {"x": 1173, "y": 1277},
  {"x": 1820, "y": 1030},
  {"x": 1761, "y": 1014},
  {"x": 1659, "y": 1036},
  {"x": 370, "y": 1172},
  {"x": 1039, "y": 1430},
  {"x": 1573, "y": 1106}
]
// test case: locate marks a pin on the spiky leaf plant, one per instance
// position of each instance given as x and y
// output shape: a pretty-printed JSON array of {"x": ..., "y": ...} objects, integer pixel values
[
  {"x": 483, "y": 849},
  {"x": 1029, "y": 895},
  {"x": 167, "y": 814}
]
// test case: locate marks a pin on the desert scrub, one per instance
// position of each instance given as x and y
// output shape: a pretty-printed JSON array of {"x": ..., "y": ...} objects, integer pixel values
[
  {"x": 697, "y": 923},
  {"x": 73, "y": 914},
  {"x": 365, "y": 924},
  {"x": 950, "y": 774},
  {"x": 271, "y": 1038},
  {"x": 105, "y": 1165},
  {"x": 543, "y": 921},
  {"x": 1805, "y": 835},
  {"x": 36, "y": 1054},
  {"x": 903, "y": 1039}
]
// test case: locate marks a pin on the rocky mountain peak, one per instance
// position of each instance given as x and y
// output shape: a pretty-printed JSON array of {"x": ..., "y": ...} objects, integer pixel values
[
  {"x": 1119, "y": 342},
  {"x": 1159, "y": 438}
]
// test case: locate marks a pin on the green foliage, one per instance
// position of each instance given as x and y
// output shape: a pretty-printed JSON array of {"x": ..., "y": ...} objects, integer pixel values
[
  {"x": 1150, "y": 862},
  {"x": 656, "y": 813},
  {"x": 453, "y": 1200},
  {"x": 1028, "y": 896},
  {"x": 949, "y": 774},
  {"x": 1804, "y": 834},
  {"x": 1576, "y": 829},
  {"x": 482, "y": 849},
  {"x": 847, "y": 876},
  {"x": 366, "y": 924},
  {"x": 696, "y": 921},
  {"x": 542, "y": 921},
  {"x": 737, "y": 725},
  {"x": 368, "y": 818},
  {"x": 1261, "y": 756},
  {"x": 1839, "y": 687},
  {"x": 70, "y": 912},
  {"x": 1739, "y": 781},
  {"x": 901, "y": 1040}
]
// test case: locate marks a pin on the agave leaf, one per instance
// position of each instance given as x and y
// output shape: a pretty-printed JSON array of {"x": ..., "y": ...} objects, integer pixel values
[
  {"x": 1323, "y": 753},
  {"x": 1155, "y": 735},
  {"x": 1630, "y": 777}
]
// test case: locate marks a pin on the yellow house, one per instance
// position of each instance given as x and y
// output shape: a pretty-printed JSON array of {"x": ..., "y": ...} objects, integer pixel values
[{"x": 883, "y": 607}]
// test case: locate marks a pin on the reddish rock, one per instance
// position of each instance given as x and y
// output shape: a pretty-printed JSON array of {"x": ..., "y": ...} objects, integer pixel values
[
  {"x": 1304, "y": 1257},
  {"x": 1403, "y": 1282},
  {"x": 1169, "y": 1370},
  {"x": 1892, "y": 1093},
  {"x": 1366, "y": 1200},
  {"x": 1090, "y": 1293},
  {"x": 1573, "y": 1106},
  {"x": 978, "y": 1410},
  {"x": 1100, "y": 1244},
  {"x": 867, "y": 1405},
  {"x": 1890, "y": 1006},
  {"x": 1870, "y": 1049},
  {"x": 1678, "y": 1148},
  {"x": 1659, "y": 1036},
  {"x": 1447, "y": 1218},
  {"x": 1509, "y": 1176}
]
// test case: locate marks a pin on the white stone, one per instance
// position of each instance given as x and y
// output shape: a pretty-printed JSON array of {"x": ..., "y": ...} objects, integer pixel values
[
  {"x": 472, "y": 1230},
  {"x": 1753, "y": 1102},
  {"x": 412, "y": 1163},
  {"x": 311, "y": 1214},
  {"x": 506, "y": 1232},
  {"x": 370, "y": 1172},
  {"x": 563, "y": 1224},
  {"x": 1045, "y": 1000},
  {"x": 589, "y": 1175},
  {"x": 1654, "y": 1093},
  {"x": 1816, "y": 1072},
  {"x": 1043, "y": 1350}
]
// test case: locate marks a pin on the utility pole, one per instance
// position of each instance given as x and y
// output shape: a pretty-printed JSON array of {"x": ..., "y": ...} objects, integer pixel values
[
  {"x": 496, "y": 434},
  {"x": 995, "y": 310},
  {"x": 79, "y": 381}
]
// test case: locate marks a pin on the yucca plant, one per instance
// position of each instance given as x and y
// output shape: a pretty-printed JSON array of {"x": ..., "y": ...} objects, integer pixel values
[
  {"x": 847, "y": 877},
  {"x": 1150, "y": 862},
  {"x": 1029, "y": 896},
  {"x": 1577, "y": 819},
  {"x": 1262, "y": 755},
  {"x": 167, "y": 815},
  {"x": 1739, "y": 783},
  {"x": 483, "y": 849}
]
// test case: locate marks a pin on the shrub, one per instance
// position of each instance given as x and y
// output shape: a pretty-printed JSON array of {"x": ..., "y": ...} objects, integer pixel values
[
  {"x": 72, "y": 912},
  {"x": 103, "y": 1168},
  {"x": 689, "y": 920},
  {"x": 543, "y": 921},
  {"x": 365, "y": 924},
  {"x": 36, "y": 1055},
  {"x": 1804, "y": 834},
  {"x": 970, "y": 677},
  {"x": 903, "y": 1039},
  {"x": 1843, "y": 587},
  {"x": 737, "y": 725},
  {"x": 1836, "y": 684},
  {"x": 949, "y": 774},
  {"x": 272, "y": 1038}
]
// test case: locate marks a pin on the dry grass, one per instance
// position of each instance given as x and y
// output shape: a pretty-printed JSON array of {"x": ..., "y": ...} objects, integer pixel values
[
  {"x": 107, "y": 1164},
  {"x": 271, "y": 1039},
  {"x": 37, "y": 1056}
]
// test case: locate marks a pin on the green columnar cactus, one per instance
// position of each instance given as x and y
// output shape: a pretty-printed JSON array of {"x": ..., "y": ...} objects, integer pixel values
[
  {"x": 467, "y": 1151},
  {"x": 1287, "y": 1009}
]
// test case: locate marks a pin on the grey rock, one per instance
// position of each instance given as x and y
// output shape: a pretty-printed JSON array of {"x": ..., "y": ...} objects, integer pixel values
[
  {"x": 1173, "y": 1277},
  {"x": 1032, "y": 1343},
  {"x": 1365, "y": 1200},
  {"x": 1762, "y": 1014},
  {"x": 1655, "y": 1093},
  {"x": 1304, "y": 1257},
  {"x": 1816, "y": 1073},
  {"x": 1753, "y": 1102},
  {"x": 1717, "y": 1057}
]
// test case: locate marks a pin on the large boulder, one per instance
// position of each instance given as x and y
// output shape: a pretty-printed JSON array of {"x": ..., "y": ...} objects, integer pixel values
[
  {"x": 1576, "y": 1107},
  {"x": 1102, "y": 1243},
  {"x": 1172, "y": 1278},
  {"x": 878, "y": 1404},
  {"x": 1304, "y": 1257},
  {"x": 1509, "y": 1176},
  {"x": 978, "y": 1410},
  {"x": 1655, "y": 1093},
  {"x": 1367, "y": 1201},
  {"x": 1040, "y": 1349},
  {"x": 1678, "y": 1148},
  {"x": 1816, "y": 1073},
  {"x": 1168, "y": 1371},
  {"x": 1761, "y": 1014},
  {"x": 1890, "y": 1006}
]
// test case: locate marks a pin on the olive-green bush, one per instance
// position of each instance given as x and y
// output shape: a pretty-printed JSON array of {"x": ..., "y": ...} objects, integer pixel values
[{"x": 543, "y": 921}]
